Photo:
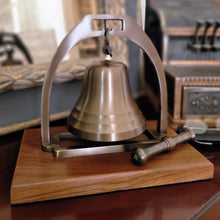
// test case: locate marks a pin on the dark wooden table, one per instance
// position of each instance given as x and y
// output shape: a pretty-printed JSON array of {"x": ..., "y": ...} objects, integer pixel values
[{"x": 180, "y": 201}]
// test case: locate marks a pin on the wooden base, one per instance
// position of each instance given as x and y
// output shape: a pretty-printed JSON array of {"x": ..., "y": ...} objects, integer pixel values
[{"x": 39, "y": 176}]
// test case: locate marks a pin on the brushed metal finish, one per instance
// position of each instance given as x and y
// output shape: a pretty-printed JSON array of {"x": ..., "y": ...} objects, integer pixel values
[
  {"x": 106, "y": 110},
  {"x": 85, "y": 30},
  {"x": 141, "y": 155},
  {"x": 93, "y": 148}
]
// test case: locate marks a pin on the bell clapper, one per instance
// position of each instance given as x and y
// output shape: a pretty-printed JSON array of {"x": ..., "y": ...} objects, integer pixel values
[{"x": 107, "y": 47}]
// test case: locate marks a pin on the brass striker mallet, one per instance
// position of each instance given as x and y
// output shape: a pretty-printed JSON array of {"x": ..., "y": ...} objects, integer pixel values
[{"x": 141, "y": 155}]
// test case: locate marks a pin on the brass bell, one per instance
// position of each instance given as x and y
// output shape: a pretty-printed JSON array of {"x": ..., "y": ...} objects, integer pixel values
[{"x": 106, "y": 110}]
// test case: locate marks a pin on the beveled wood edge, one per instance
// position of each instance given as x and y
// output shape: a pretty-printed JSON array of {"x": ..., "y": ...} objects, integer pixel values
[
  {"x": 81, "y": 189},
  {"x": 207, "y": 171}
]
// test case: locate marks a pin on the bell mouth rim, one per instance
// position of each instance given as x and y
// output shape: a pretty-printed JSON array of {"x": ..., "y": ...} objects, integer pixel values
[{"x": 104, "y": 137}]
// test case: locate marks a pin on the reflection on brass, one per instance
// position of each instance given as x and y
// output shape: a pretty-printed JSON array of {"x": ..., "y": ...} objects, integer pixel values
[{"x": 106, "y": 110}]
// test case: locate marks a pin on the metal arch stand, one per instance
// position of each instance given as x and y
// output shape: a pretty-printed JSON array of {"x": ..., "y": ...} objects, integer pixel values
[{"x": 84, "y": 30}]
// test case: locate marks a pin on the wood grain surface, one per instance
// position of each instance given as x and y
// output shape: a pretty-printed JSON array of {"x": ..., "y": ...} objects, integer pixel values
[{"x": 39, "y": 176}]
